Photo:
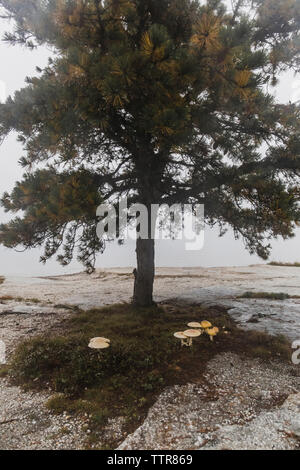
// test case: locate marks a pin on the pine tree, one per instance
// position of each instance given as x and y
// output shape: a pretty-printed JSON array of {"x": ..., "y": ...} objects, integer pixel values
[{"x": 164, "y": 101}]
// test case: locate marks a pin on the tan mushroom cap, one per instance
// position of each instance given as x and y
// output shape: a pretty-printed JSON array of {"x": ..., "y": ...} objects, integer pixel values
[
  {"x": 106, "y": 340},
  {"x": 206, "y": 324},
  {"x": 180, "y": 335},
  {"x": 194, "y": 324},
  {"x": 216, "y": 329},
  {"x": 99, "y": 343},
  {"x": 192, "y": 333}
]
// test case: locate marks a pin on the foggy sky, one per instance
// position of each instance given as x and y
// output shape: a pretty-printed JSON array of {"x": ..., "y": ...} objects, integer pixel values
[{"x": 16, "y": 64}]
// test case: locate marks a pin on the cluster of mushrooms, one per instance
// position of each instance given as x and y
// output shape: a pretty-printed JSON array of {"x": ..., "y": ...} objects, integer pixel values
[
  {"x": 99, "y": 343},
  {"x": 197, "y": 329}
]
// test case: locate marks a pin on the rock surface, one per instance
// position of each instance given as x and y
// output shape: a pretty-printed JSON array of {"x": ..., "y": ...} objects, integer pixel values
[
  {"x": 245, "y": 404},
  {"x": 20, "y": 321},
  {"x": 26, "y": 424}
]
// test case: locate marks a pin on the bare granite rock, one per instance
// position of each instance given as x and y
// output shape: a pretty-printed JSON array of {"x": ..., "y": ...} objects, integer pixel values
[
  {"x": 26, "y": 424},
  {"x": 245, "y": 404},
  {"x": 273, "y": 430}
]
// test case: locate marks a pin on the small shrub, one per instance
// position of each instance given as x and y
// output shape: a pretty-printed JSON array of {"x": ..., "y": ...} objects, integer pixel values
[
  {"x": 60, "y": 403},
  {"x": 73, "y": 308},
  {"x": 19, "y": 299},
  {"x": 290, "y": 265},
  {"x": 4, "y": 370},
  {"x": 153, "y": 382},
  {"x": 265, "y": 295},
  {"x": 100, "y": 416},
  {"x": 70, "y": 367},
  {"x": 268, "y": 347},
  {"x": 4, "y": 298}
]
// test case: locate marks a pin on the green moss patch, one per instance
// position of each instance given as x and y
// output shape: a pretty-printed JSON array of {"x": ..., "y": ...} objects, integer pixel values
[
  {"x": 4, "y": 370},
  {"x": 10, "y": 298},
  {"x": 265, "y": 295},
  {"x": 289, "y": 265}
]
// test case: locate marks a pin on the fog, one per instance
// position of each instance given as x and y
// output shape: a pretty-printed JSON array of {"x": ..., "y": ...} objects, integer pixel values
[{"x": 17, "y": 63}]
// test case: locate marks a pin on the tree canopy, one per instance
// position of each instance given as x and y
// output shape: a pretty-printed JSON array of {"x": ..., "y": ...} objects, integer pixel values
[{"x": 165, "y": 101}]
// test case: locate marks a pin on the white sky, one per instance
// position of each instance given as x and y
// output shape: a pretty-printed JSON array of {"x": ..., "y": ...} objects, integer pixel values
[{"x": 17, "y": 63}]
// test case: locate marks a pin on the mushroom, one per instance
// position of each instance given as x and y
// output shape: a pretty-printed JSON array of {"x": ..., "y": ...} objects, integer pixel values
[
  {"x": 99, "y": 343},
  {"x": 106, "y": 340},
  {"x": 195, "y": 325},
  {"x": 212, "y": 332},
  {"x": 180, "y": 335},
  {"x": 191, "y": 334},
  {"x": 206, "y": 324}
]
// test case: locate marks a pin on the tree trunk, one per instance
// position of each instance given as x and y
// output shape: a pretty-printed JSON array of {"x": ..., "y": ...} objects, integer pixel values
[{"x": 144, "y": 274}]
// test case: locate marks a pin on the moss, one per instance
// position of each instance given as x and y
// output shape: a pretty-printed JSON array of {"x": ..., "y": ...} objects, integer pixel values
[
  {"x": 4, "y": 370},
  {"x": 143, "y": 358},
  {"x": 34, "y": 301},
  {"x": 265, "y": 295},
  {"x": 60, "y": 403},
  {"x": 290, "y": 265},
  {"x": 73, "y": 308},
  {"x": 265, "y": 346},
  {"x": 6, "y": 298}
]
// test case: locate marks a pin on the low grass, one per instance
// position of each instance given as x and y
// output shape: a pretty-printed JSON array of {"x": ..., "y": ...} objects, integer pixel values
[
  {"x": 144, "y": 357},
  {"x": 4, "y": 371},
  {"x": 74, "y": 308},
  {"x": 290, "y": 265},
  {"x": 10, "y": 298},
  {"x": 265, "y": 295},
  {"x": 7, "y": 298}
]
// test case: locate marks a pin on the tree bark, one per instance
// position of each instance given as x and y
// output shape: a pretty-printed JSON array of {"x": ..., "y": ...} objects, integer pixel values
[{"x": 144, "y": 274}]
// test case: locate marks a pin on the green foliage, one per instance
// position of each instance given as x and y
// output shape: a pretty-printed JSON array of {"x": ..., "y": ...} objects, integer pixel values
[
  {"x": 7, "y": 298},
  {"x": 264, "y": 346},
  {"x": 59, "y": 404},
  {"x": 162, "y": 101},
  {"x": 56, "y": 207},
  {"x": 4, "y": 370},
  {"x": 265, "y": 295},
  {"x": 289, "y": 265},
  {"x": 71, "y": 366}
]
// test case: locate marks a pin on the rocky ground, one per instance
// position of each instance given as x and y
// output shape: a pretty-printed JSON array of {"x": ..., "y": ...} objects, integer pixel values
[
  {"x": 26, "y": 424},
  {"x": 244, "y": 405}
]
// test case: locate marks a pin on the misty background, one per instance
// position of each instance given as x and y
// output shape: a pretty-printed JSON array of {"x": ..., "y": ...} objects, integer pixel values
[{"x": 16, "y": 64}]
